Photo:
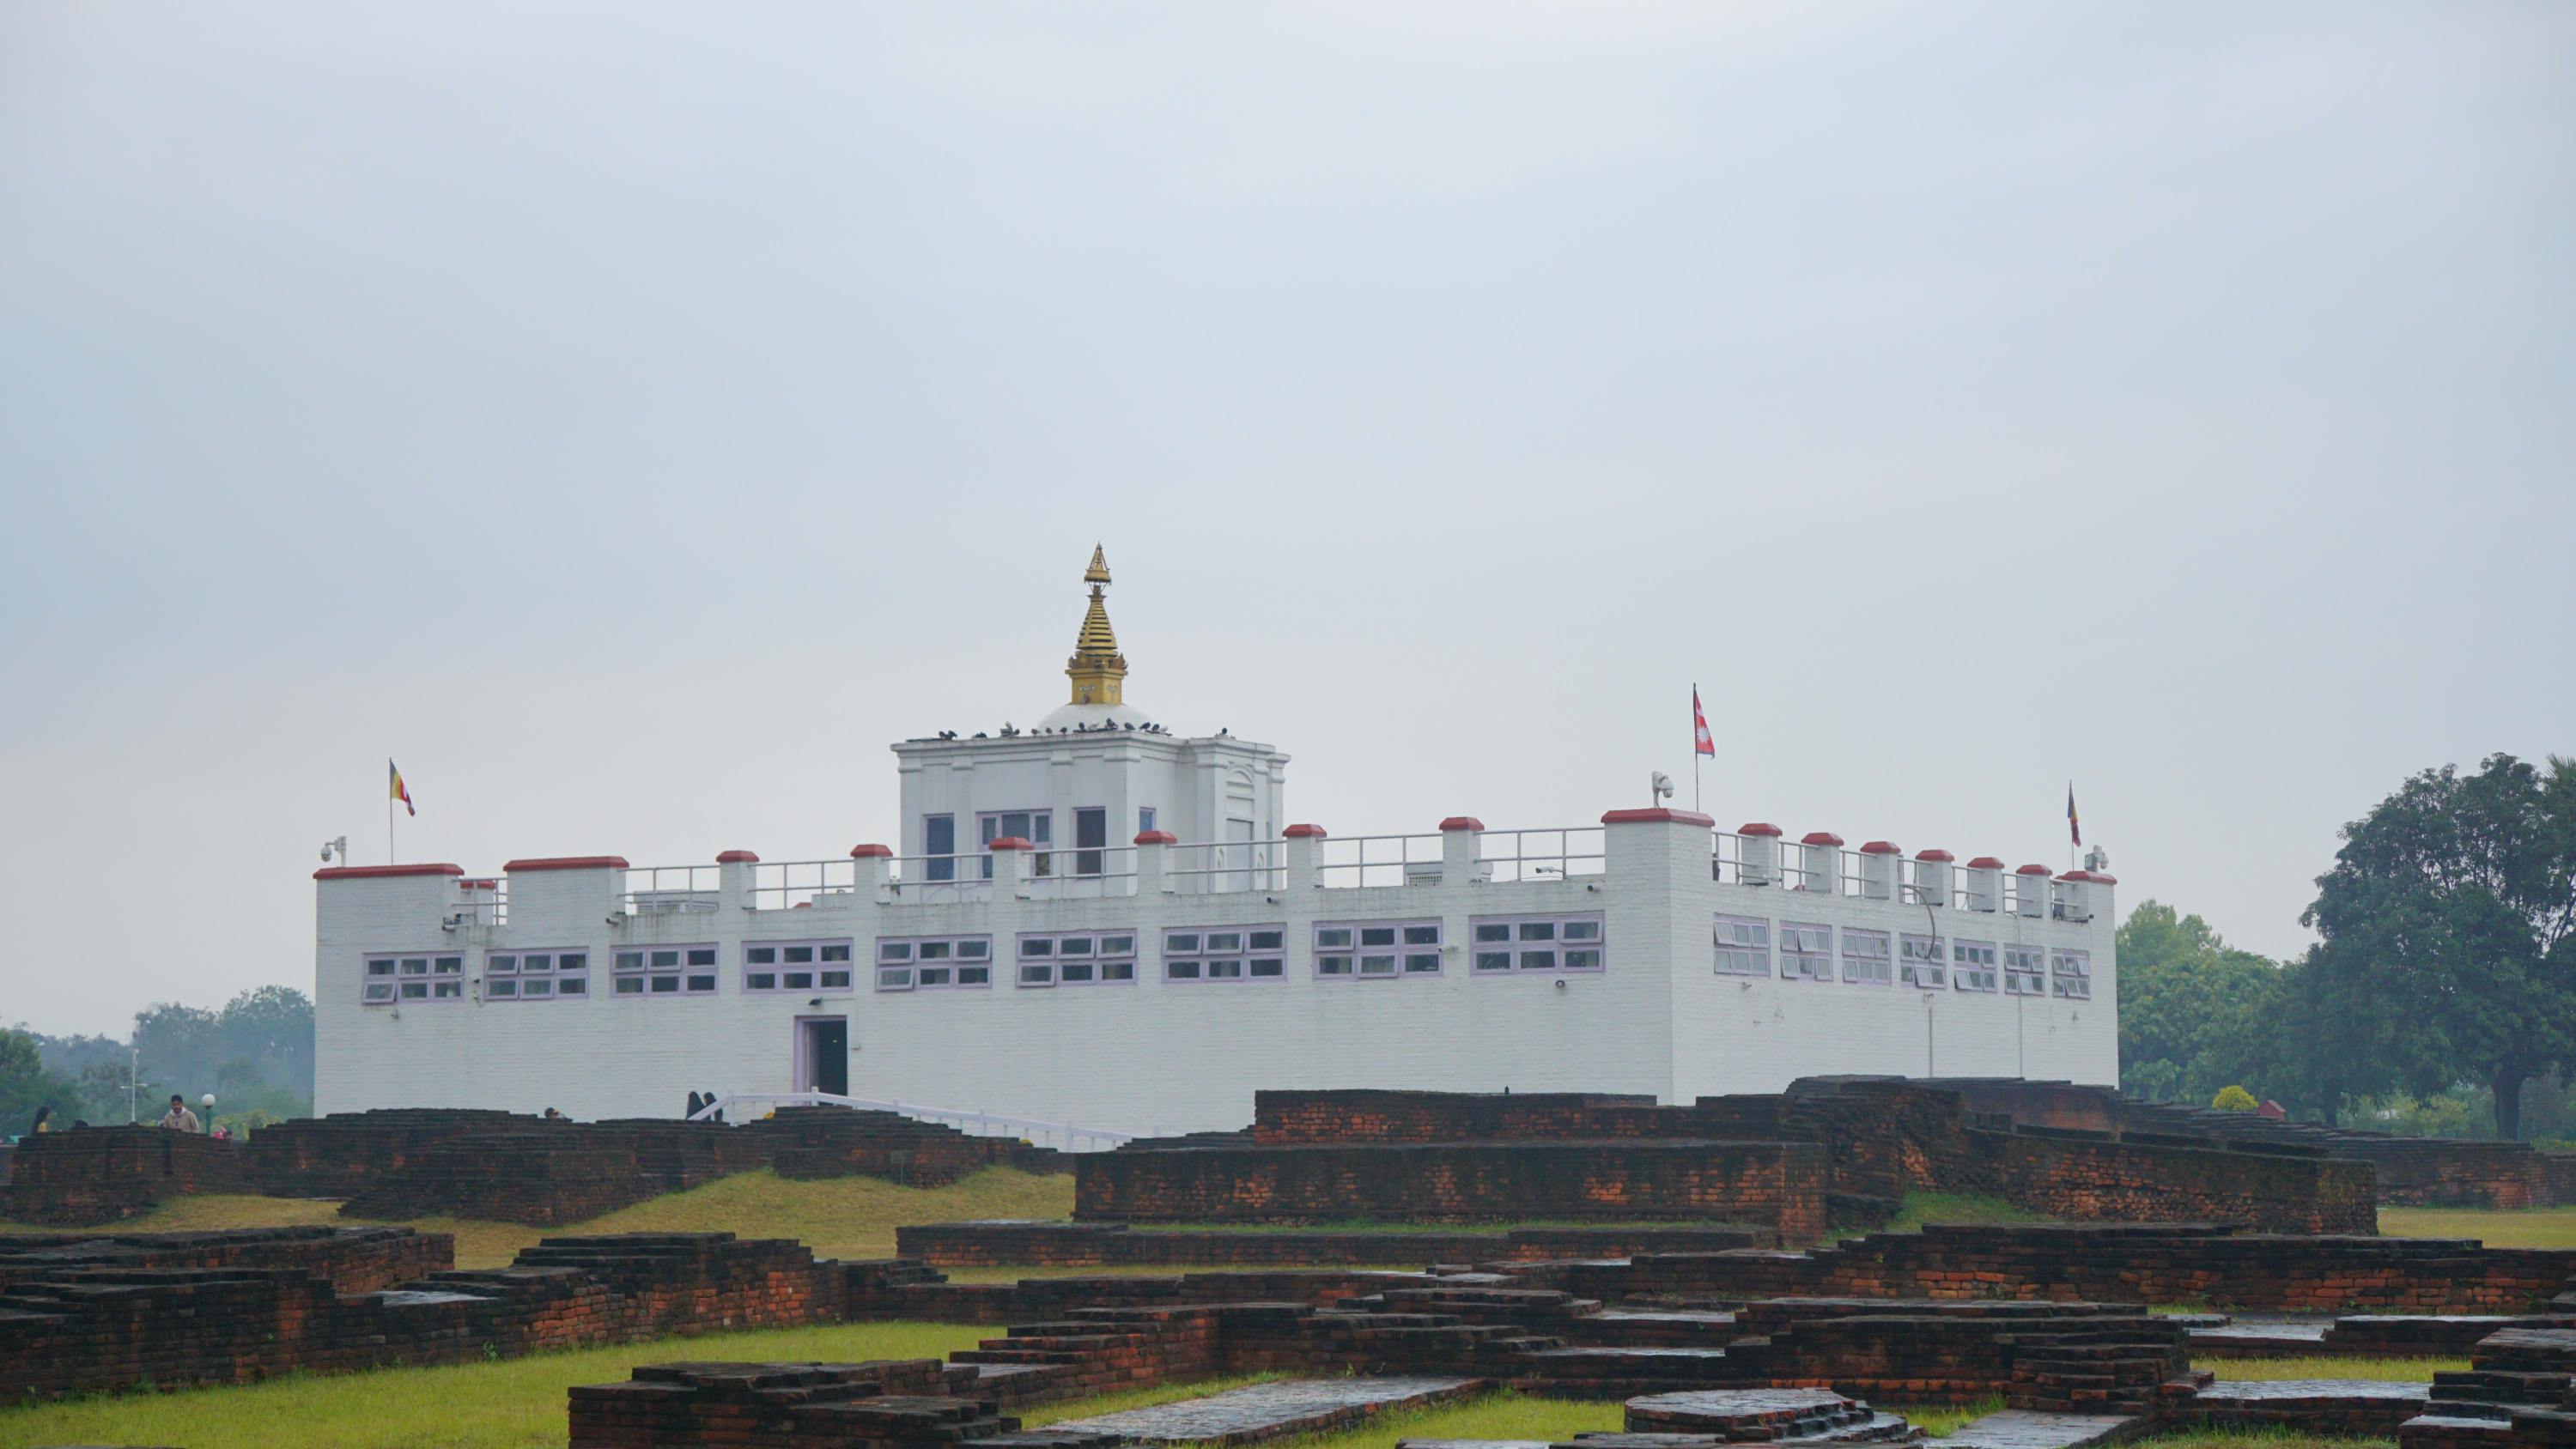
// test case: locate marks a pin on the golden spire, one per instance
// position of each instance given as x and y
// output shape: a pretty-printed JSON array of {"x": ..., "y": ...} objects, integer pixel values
[{"x": 1097, "y": 669}]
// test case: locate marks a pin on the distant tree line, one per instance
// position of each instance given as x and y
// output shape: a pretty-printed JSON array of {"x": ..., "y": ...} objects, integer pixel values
[
  {"x": 2443, "y": 981},
  {"x": 255, "y": 1054}
]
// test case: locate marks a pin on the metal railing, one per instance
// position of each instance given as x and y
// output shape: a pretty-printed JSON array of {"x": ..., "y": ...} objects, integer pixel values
[
  {"x": 1066, "y": 1135},
  {"x": 1088, "y": 873},
  {"x": 791, "y": 885},
  {"x": 920, "y": 879},
  {"x": 1222, "y": 867},
  {"x": 1517, "y": 855},
  {"x": 1379, "y": 860},
  {"x": 479, "y": 909},
  {"x": 667, "y": 890}
]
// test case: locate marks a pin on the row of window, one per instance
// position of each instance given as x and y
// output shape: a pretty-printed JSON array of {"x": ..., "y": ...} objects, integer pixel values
[
  {"x": 1037, "y": 827},
  {"x": 1342, "y": 951},
  {"x": 1880, "y": 958}
]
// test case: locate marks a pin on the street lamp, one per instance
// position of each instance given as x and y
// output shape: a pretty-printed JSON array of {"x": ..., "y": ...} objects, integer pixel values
[{"x": 208, "y": 1102}]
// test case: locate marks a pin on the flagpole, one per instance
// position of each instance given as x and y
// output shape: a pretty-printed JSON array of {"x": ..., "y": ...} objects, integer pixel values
[{"x": 1696, "y": 756}]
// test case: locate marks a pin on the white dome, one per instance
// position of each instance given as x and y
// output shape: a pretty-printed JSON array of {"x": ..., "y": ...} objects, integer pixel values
[{"x": 1066, "y": 716}]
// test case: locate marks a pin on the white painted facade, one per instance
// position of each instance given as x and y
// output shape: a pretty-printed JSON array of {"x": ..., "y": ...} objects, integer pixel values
[{"x": 444, "y": 1026}]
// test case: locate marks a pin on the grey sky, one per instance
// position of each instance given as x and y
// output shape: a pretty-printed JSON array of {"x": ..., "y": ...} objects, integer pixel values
[{"x": 632, "y": 418}]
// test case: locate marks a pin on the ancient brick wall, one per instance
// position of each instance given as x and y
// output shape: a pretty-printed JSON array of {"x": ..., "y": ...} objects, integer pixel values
[
  {"x": 2164, "y": 1264},
  {"x": 344, "y": 1154},
  {"x": 1777, "y": 1185},
  {"x": 82, "y": 1329},
  {"x": 1286, "y": 1118},
  {"x": 818, "y": 1142},
  {"x": 2438, "y": 1172},
  {"x": 101, "y": 1174},
  {"x": 1104, "y": 1245},
  {"x": 2092, "y": 1180},
  {"x": 350, "y": 1260},
  {"x": 556, "y": 1173}
]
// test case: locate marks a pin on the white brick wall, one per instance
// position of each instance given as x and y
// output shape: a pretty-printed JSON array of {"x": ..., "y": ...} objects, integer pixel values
[{"x": 1157, "y": 1056}]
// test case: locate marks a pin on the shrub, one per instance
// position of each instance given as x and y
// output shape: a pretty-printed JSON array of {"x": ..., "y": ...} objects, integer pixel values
[{"x": 2232, "y": 1098}]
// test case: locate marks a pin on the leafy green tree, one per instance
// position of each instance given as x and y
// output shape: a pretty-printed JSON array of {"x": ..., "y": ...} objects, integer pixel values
[
  {"x": 2233, "y": 1098},
  {"x": 2448, "y": 928},
  {"x": 2193, "y": 1009},
  {"x": 25, "y": 1085}
]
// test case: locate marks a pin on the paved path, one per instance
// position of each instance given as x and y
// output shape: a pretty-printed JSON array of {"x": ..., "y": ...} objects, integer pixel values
[
  {"x": 2024, "y": 1429},
  {"x": 1271, "y": 1411}
]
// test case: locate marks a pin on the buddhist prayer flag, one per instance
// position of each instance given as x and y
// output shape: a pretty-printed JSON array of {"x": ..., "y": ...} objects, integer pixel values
[
  {"x": 1701, "y": 743},
  {"x": 397, "y": 791},
  {"x": 2074, "y": 827}
]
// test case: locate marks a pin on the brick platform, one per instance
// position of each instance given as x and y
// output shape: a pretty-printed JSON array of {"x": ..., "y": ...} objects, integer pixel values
[
  {"x": 1108, "y": 1245},
  {"x": 1772, "y": 1184},
  {"x": 350, "y": 1260},
  {"x": 98, "y": 1327}
]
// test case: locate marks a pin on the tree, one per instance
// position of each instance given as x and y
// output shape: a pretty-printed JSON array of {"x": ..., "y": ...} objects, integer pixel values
[
  {"x": 2194, "y": 1011},
  {"x": 273, "y": 1027},
  {"x": 25, "y": 1085},
  {"x": 2233, "y": 1098},
  {"x": 2448, "y": 936}
]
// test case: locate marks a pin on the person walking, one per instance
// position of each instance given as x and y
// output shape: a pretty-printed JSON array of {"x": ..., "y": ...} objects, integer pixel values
[{"x": 179, "y": 1118}]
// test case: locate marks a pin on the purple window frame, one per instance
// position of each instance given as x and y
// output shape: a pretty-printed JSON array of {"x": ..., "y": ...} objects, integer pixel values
[
  {"x": 1816, "y": 965},
  {"x": 1909, "y": 968},
  {"x": 2025, "y": 979},
  {"x": 1721, "y": 945},
  {"x": 685, "y": 971},
  {"x": 1523, "y": 946},
  {"x": 2059, "y": 979},
  {"x": 1991, "y": 968},
  {"x": 1402, "y": 951},
  {"x": 910, "y": 964},
  {"x": 1201, "y": 956},
  {"x": 518, "y": 977},
  {"x": 1884, "y": 957},
  {"x": 817, "y": 968},
  {"x": 1054, "y": 957},
  {"x": 430, "y": 978}
]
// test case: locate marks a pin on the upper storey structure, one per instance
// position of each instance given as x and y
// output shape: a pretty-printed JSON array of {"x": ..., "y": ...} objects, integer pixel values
[{"x": 1088, "y": 777}]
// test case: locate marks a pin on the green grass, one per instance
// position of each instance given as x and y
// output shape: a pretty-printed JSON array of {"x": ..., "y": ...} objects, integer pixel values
[
  {"x": 2530, "y": 1228},
  {"x": 1007, "y": 1273},
  {"x": 2274, "y": 1370},
  {"x": 842, "y": 1217},
  {"x": 511, "y": 1404},
  {"x": 1392, "y": 1225}
]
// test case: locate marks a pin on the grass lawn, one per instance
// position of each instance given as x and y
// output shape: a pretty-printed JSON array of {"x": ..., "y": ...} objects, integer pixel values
[
  {"x": 2275, "y": 1370},
  {"x": 2529, "y": 1228},
  {"x": 844, "y": 1217},
  {"x": 511, "y": 1404}
]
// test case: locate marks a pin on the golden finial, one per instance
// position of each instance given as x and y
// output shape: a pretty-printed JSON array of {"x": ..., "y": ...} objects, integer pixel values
[{"x": 1097, "y": 669}]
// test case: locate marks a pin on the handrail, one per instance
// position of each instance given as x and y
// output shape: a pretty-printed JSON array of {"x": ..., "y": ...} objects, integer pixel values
[{"x": 1068, "y": 1133}]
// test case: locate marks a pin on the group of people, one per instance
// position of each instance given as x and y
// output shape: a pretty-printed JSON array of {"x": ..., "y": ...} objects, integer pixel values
[{"x": 177, "y": 1119}]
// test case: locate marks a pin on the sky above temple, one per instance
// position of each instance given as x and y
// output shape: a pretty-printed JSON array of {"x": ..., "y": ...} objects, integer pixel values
[{"x": 633, "y": 417}]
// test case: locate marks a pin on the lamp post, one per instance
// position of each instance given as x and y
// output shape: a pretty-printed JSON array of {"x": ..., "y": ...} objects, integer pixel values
[{"x": 208, "y": 1102}]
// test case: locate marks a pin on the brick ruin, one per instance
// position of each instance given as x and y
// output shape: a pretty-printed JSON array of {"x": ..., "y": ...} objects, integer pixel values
[
  {"x": 1117, "y": 1245},
  {"x": 494, "y": 1166},
  {"x": 1694, "y": 1340},
  {"x": 1838, "y": 1150}
]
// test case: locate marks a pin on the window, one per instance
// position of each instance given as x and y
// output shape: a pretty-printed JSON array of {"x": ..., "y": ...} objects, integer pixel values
[
  {"x": 1743, "y": 946},
  {"x": 1037, "y": 827},
  {"x": 1144, "y": 818},
  {"x": 1090, "y": 837},
  {"x": 1091, "y": 958},
  {"x": 1972, "y": 965},
  {"x": 928, "y": 963},
  {"x": 1226, "y": 953},
  {"x": 2023, "y": 973},
  {"x": 1865, "y": 958},
  {"x": 1919, "y": 963},
  {"x": 2071, "y": 974},
  {"x": 536, "y": 976},
  {"x": 393, "y": 979},
  {"x": 1806, "y": 952},
  {"x": 663, "y": 971},
  {"x": 807, "y": 966},
  {"x": 1536, "y": 943},
  {"x": 1381, "y": 950},
  {"x": 939, "y": 842}
]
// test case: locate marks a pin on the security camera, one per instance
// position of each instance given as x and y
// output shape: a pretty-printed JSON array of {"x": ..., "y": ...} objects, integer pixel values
[
  {"x": 1663, "y": 786},
  {"x": 326, "y": 855}
]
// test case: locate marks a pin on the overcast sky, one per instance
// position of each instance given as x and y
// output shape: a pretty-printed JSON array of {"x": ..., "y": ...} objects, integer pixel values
[{"x": 632, "y": 418}]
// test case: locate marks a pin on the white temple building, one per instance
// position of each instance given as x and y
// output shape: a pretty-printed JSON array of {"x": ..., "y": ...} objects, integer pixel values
[{"x": 1102, "y": 925}]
